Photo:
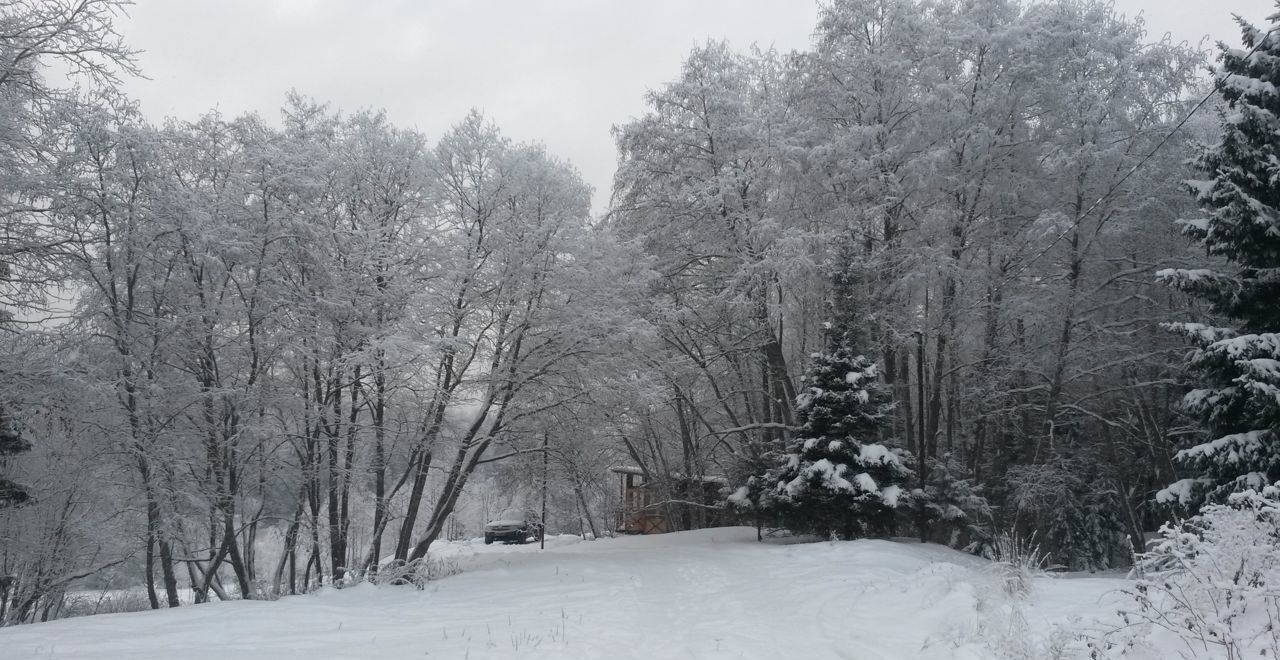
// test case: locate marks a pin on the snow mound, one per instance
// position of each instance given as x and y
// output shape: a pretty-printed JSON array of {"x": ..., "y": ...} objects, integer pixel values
[{"x": 714, "y": 593}]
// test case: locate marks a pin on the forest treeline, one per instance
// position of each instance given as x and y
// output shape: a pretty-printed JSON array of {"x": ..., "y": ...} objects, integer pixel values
[
  {"x": 231, "y": 326},
  {"x": 975, "y": 189},
  {"x": 248, "y": 356}
]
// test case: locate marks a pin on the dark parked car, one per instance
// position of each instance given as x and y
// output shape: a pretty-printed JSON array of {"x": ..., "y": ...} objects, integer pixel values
[{"x": 512, "y": 526}]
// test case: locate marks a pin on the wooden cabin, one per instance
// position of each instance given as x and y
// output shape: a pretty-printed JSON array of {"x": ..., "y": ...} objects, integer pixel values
[{"x": 681, "y": 503}]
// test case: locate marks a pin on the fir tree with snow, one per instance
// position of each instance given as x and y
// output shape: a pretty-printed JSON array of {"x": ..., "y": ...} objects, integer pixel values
[
  {"x": 835, "y": 479},
  {"x": 949, "y": 507},
  {"x": 1238, "y": 366}
]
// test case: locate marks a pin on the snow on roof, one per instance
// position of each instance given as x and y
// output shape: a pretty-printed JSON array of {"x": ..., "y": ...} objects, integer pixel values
[{"x": 632, "y": 469}]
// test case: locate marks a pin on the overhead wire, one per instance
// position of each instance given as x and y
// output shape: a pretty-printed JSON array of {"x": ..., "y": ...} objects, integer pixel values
[{"x": 1217, "y": 87}]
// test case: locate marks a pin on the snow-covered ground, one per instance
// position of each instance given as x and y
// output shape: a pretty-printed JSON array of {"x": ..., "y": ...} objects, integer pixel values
[{"x": 708, "y": 594}]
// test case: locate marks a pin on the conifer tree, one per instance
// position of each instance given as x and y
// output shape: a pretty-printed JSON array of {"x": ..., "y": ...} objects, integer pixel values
[
  {"x": 1237, "y": 366},
  {"x": 834, "y": 479}
]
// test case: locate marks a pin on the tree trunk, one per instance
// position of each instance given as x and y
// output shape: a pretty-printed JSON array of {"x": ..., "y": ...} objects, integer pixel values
[
  {"x": 333, "y": 440},
  {"x": 380, "y": 512},
  {"x": 289, "y": 551},
  {"x": 150, "y": 565},
  {"x": 348, "y": 464}
]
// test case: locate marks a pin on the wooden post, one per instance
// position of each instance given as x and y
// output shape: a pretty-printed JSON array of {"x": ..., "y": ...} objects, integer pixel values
[
  {"x": 542, "y": 536},
  {"x": 923, "y": 445}
]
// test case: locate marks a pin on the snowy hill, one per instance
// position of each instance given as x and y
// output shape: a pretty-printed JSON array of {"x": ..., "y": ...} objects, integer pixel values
[{"x": 707, "y": 594}]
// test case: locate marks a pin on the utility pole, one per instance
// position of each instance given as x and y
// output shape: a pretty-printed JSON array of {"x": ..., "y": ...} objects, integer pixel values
[
  {"x": 924, "y": 448},
  {"x": 542, "y": 536},
  {"x": 922, "y": 445}
]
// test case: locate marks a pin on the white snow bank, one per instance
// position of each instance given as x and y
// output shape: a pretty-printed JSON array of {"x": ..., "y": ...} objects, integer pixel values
[{"x": 707, "y": 594}]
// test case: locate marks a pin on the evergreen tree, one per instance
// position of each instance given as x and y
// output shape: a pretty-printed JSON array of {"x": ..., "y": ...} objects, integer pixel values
[
  {"x": 948, "y": 507},
  {"x": 1238, "y": 366},
  {"x": 834, "y": 479}
]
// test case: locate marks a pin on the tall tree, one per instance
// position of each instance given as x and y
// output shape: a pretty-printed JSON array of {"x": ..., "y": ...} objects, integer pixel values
[
  {"x": 36, "y": 116},
  {"x": 1237, "y": 365},
  {"x": 80, "y": 36},
  {"x": 835, "y": 478}
]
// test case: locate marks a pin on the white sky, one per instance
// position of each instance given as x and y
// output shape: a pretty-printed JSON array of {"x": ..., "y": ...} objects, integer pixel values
[{"x": 561, "y": 72}]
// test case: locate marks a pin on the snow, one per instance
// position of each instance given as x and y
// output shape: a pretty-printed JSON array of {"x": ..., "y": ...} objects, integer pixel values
[
  {"x": 1195, "y": 224},
  {"x": 509, "y": 518},
  {"x": 1187, "y": 275},
  {"x": 877, "y": 454},
  {"x": 708, "y": 594},
  {"x": 1236, "y": 446},
  {"x": 1247, "y": 85},
  {"x": 1197, "y": 398},
  {"x": 870, "y": 372},
  {"x": 1243, "y": 345},
  {"x": 891, "y": 494},
  {"x": 1265, "y": 368},
  {"x": 831, "y": 474},
  {"x": 1179, "y": 491},
  {"x": 865, "y": 482},
  {"x": 1199, "y": 331}
]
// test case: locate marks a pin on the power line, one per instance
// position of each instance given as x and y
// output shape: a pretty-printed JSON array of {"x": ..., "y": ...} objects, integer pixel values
[{"x": 1217, "y": 87}]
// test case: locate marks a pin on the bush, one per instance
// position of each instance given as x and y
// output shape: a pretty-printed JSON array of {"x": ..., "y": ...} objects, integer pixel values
[
  {"x": 950, "y": 509},
  {"x": 1209, "y": 586},
  {"x": 418, "y": 572},
  {"x": 1016, "y": 561},
  {"x": 1072, "y": 506},
  {"x": 106, "y": 601}
]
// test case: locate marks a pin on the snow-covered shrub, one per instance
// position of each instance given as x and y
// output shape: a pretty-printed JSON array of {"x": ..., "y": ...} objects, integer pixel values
[
  {"x": 1003, "y": 630},
  {"x": 1209, "y": 586},
  {"x": 419, "y": 572},
  {"x": 1016, "y": 561},
  {"x": 105, "y": 601},
  {"x": 436, "y": 568},
  {"x": 396, "y": 573},
  {"x": 265, "y": 589},
  {"x": 1005, "y": 623},
  {"x": 1071, "y": 506},
  {"x": 949, "y": 508}
]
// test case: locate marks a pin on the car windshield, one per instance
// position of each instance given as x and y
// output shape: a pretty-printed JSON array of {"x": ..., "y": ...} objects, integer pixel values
[{"x": 511, "y": 514}]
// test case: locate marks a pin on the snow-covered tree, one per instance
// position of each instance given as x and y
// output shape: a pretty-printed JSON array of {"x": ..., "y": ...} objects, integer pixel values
[
  {"x": 835, "y": 478},
  {"x": 1237, "y": 364},
  {"x": 949, "y": 508},
  {"x": 79, "y": 35},
  {"x": 977, "y": 160}
]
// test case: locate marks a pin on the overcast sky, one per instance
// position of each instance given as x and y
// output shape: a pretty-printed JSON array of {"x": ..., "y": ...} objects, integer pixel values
[{"x": 557, "y": 71}]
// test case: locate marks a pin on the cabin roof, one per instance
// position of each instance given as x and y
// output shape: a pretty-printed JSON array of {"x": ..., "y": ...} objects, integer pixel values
[{"x": 706, "y": 478}]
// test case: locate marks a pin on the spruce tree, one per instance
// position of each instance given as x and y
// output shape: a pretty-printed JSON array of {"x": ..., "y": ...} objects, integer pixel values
[
  {"x": 1237, "y": 366},
  {"x": 834, "y": 479}
]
